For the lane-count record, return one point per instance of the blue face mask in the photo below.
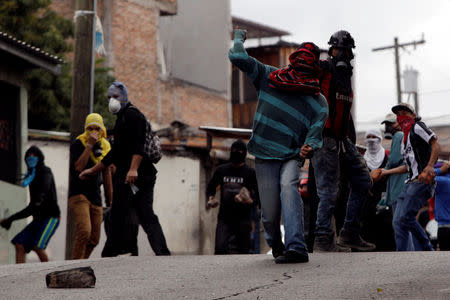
(32, 161)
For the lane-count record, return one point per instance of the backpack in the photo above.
(152, 145)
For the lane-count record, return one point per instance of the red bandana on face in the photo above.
(405, 123)
(302, 73)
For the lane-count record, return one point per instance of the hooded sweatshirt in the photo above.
(89, 187)
(43, 200)
(375, 153)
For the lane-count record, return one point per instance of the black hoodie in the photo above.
(43, 200)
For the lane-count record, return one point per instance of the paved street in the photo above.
(417, 275)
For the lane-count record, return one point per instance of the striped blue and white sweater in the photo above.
(284, 121)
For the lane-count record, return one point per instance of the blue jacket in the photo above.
(442, 198)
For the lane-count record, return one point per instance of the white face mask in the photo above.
(373, 145)
(114, 105)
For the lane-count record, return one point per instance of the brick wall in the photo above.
(134, 43)
(191, 105)
(134, 29)
(64, 7)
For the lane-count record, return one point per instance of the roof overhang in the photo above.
(167, 7)
(32, 56)
(257, 30)
(225, 132)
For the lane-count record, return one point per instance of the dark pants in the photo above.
(226, 230)
(311, 204)
(444, 238)
(328, 162)
(127, 207)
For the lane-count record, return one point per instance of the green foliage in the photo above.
(34, 22)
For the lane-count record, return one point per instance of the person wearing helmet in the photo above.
(287, 128)
(339, 153)
(43, 207)
(420, 150)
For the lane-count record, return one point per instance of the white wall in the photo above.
(177, 197)
(178, 203)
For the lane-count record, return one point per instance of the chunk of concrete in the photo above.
(83, 277)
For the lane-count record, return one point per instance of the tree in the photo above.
(34, 22)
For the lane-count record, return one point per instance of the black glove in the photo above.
(97, 149)
(6, 223)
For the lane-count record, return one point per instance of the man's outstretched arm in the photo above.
(247, 64)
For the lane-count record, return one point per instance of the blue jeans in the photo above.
(336, 157)
(413, 197)
(410, 246)
(279, 194)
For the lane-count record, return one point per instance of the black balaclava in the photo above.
(238, 152)
(389, 130)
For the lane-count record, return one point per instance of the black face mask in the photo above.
(389, 131)
(237, 157)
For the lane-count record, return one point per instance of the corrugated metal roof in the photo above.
(29, 48)
(32, 56)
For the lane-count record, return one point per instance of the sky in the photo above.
(372, 24)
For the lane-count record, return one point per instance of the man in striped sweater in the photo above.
(287, 128)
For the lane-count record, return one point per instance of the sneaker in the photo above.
(277, 251)
(328, 244)
(354, 240)
(292, 257)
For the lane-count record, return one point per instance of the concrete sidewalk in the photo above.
(418, 275)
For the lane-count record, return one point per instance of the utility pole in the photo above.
(396, 47)
(81, 86)
(397, 71)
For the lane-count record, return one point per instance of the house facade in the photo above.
(164, 53)
(16, 58)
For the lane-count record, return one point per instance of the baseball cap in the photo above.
(403, 106)
(390, 118)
